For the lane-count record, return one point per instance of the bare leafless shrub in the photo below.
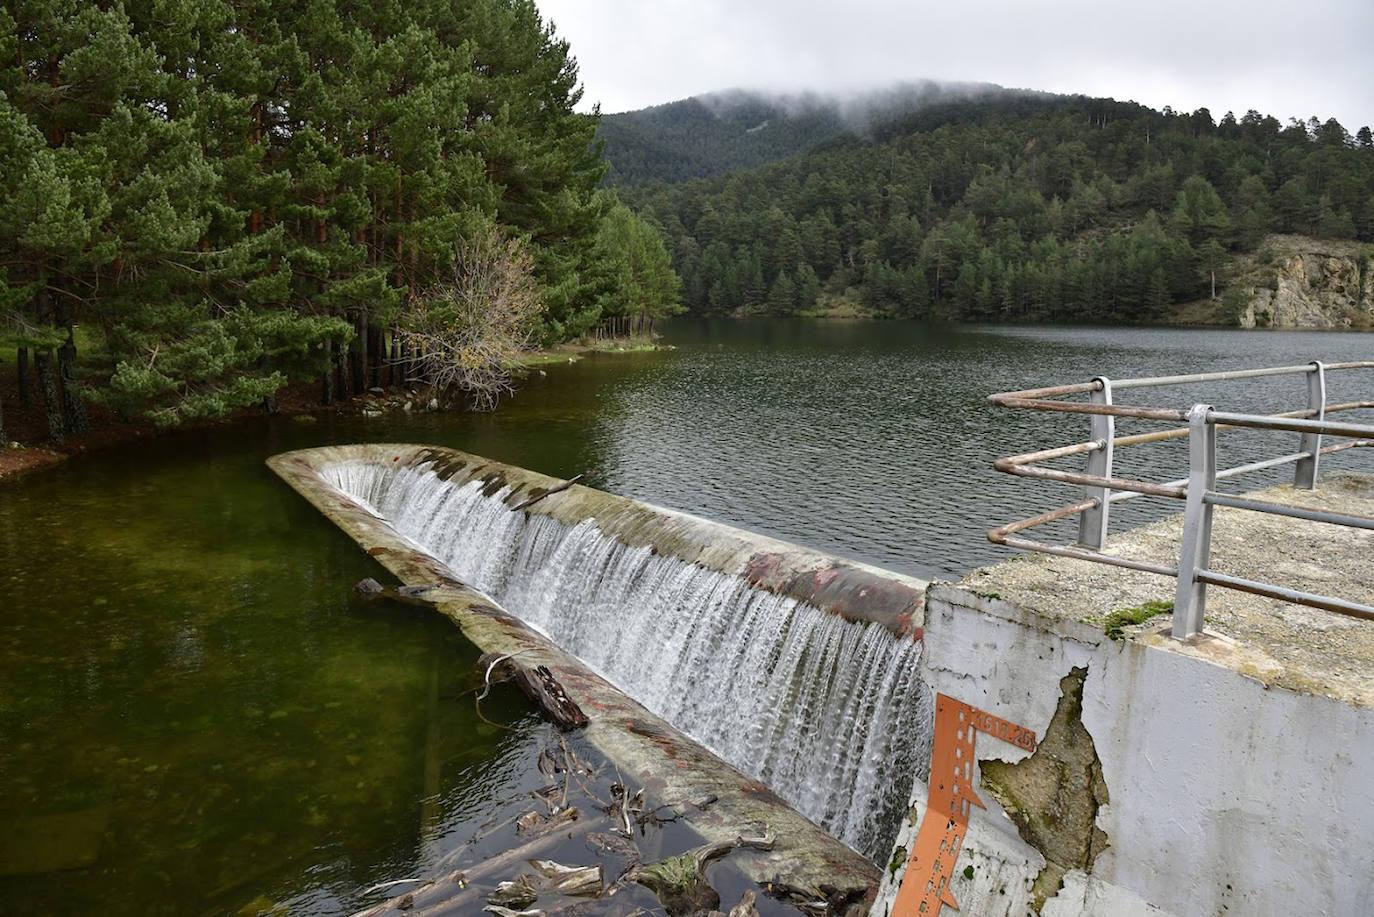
(463, 336)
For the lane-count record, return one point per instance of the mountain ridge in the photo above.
(733, 129)
(1004, 205)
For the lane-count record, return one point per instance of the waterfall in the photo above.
(830, 714)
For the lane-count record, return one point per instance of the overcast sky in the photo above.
(1285, 59)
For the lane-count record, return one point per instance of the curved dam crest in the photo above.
(796, 667)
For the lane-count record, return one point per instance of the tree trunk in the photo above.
(378, 351)
(360, 367)
(1214, 283)
(25, 397)
(393, 367)
(345, 377)
(541, 687)
(52, 406)
(3, 438)
(327, 377)
(76, 421)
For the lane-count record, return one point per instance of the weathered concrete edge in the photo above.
(671, 767)
(855, 591)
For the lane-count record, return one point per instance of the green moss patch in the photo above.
(1114, 625)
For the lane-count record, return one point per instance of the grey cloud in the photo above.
(1280, 58)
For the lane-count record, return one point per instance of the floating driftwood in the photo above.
(577, 881)
(552, 490)
(507, 912)
(524, 879)
(518, 894)
(539, 685)
(369, 590)
(680, 881)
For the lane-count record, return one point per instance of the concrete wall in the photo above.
(1225, 796)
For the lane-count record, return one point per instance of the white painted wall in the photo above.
(1227, 797)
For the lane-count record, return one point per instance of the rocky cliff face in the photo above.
(1313, 285)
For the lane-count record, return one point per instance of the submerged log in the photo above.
(518, 894)
(539, 685)
(577, 881)
(680, 882)
(746, 906)
(370, 590)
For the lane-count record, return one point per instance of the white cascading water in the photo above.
(828, 713)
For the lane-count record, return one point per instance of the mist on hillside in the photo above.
(740, 128)
(857, 109)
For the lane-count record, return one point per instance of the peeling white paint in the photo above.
(1227, 797)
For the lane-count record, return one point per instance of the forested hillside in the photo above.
(738, 129)
(216, 197)
(694, 138)
(1015, 207)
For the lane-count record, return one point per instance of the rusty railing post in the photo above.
(1305, 473)
(1190, 601)
(1092, 522)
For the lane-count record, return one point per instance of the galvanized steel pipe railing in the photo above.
(1198, 490)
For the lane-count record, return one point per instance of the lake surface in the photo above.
(196, 717)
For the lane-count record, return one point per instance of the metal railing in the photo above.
(1198, 489)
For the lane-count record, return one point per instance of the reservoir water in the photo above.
(196, 718)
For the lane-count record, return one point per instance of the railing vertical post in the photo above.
(1190, 602)
(1305, 474)
(1092, 523)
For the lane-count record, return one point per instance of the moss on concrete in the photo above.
(1114, 625)
(1053, 795)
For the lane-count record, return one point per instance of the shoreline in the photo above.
(27, 426)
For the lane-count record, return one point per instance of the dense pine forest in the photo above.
(200, 203)
(203, 201)
(1009, 206)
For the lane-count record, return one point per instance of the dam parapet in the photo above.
(1223, 773)
(1116, 768)
(1191, 702)
(855, 591)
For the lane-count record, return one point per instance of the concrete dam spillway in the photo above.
(797, 668)
(1159, 776)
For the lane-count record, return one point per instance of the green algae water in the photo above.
(196, 717)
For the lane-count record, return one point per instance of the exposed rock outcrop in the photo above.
(1311, 284)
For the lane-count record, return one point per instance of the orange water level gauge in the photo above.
(925, 885)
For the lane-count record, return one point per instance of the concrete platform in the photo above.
(1294, 646)
(1226, 774)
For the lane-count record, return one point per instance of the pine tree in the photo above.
(235, 195)
(639, 284)
(782, 296)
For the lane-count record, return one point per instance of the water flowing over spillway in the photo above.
(828, 713)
